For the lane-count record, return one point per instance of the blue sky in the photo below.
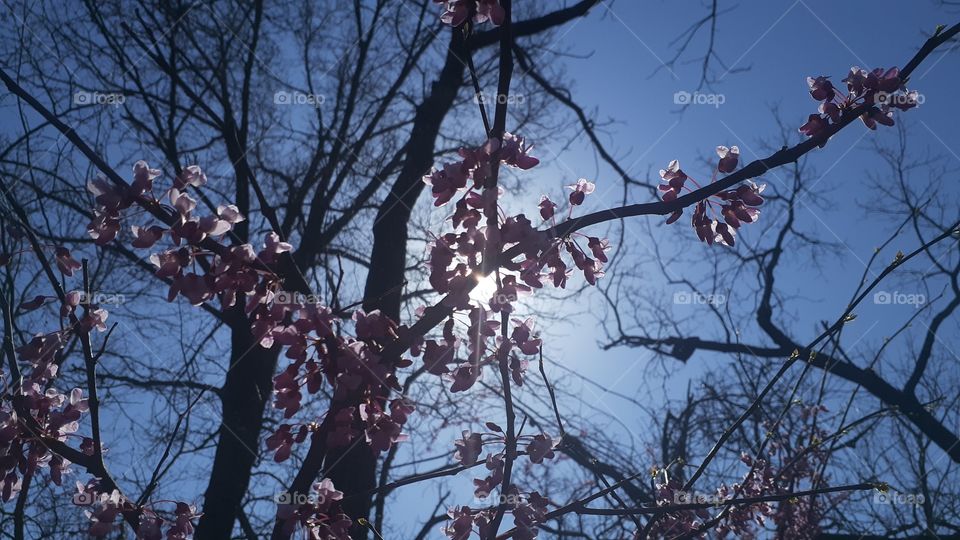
(780, 44)
(617, 71)
(770, 48)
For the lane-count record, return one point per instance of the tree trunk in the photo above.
(245, 393)
(353, 470)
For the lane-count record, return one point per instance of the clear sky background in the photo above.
(778, 44)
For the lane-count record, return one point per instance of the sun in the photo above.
(486, 286)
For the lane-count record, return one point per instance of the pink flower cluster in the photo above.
(879, 90)
(483, 346)
(475, 166)
(456, 12)
(232, 272)
(736, 206)
(36, 413)
(527, 509)
(741, 520)
(318, 514)
(456, 263)
(103, 508)
(456, 257)
(799, 457)
(352, 366)
(311, 333)
(52, 415)
(470, 446)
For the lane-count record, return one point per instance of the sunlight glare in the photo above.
(484, 289)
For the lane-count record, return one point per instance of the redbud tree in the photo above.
(349, 358)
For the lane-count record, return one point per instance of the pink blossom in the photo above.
(286, 389)
(461, 525)
(883, 81)
(281, 442)
(374, 325)
(856, 80)
(581, 189)
(674, 178)
(194, 287)
(540, 448)
(875, 116)
(401, 409)
(527, 514)
(464, 376)
(444, 185)
(456, 12)
(321, 518)
(65, 262)
(598, 247)
(95, 319)
(815, 126)
(145, 237)
(830, 110)
(591, 268)
(103, 227)
(507, 292)
(484, 487)
(230, 213)
(273, 247)
(875, 90)
(35, 303)
(149, 527)
(211, 226)
(547, 207)
(489, 10)
(469, 448)
(725, 233)
(190, 176)
(437, 355)
(821, 88)
(523, 338)
(466, 214)
(170, 262)
(906, 101)
(104, 514)
(728, 158)
(183, 203)
(143, 177)
(107, 195)
(515, 150)
(382, 430)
